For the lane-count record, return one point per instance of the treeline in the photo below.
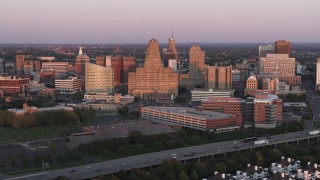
(293, 97)
(136, 143)
(37, 102)
(175, 170)
(45, 118)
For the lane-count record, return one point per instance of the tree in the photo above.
(26, 162)
(194, 175)
(13, 163)
(169, 176)
(157, 145)
(106, 153)
(220, 167)
(123, 111)
(201, 169)
(135, 136)
(61, 158)
(183, 176)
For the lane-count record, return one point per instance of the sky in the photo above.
(137, 21)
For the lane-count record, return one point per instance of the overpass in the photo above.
(206, 151)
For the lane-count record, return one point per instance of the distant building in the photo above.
(200, 94)
(129, 65)
(173, 64)
(60, 69)
(195, 76)
(32, 109)
(218, 77)
(318, 75)
(20, 57)
(264, 50)
(277, 64)
(31, 65)
(14, 86)
(68, 86)
(98, 78)
(100, 60)
(282, 47)
(2, 66)
(152, 78)
(80, 63)
(191, 118)
(170, 52)
(252, 83)
(117, 65)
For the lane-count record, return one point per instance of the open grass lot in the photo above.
(8, 134)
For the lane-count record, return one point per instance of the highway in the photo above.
(152, 159)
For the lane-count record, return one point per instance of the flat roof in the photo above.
(190, 112)
(294, 104)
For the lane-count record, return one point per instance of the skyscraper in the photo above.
(117, 65)
(153, 79)
(218, 77)
(282, 47)
(196, 60)
(195, 76)
(80, 63)
(98, 78)
(171, 52)
(318, 75)
(20, 57)
(129, 65)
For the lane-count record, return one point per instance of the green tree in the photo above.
(61, 158)
(183, 176)
(220, 167)
(169, 176)
(157, 145)
(194, 175)
(106, 153)
(13, 163)
(201, 169)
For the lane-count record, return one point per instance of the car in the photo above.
(218, 150)
(88, 167)
(234, 142)
(72, 171)
(97, 170)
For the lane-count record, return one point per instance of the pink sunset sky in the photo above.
(136, 21)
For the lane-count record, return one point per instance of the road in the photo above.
(313, 98)
(151, 159)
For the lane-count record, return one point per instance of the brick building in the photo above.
(13, 86)
(117, 65)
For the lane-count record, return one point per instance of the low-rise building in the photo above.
(68, 86)
(200, 94)
(32, 109)
(192, 118)
(14, 86)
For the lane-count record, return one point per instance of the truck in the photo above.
(314, 132)
(262, 141)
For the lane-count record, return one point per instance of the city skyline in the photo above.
(126, 22)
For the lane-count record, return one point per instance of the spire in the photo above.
(172, 31)
(80, 50)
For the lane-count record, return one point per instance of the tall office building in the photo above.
(31, 65)
(195, 76)
(264, 50)
(153, 78)
(267, 109)
(2, 65)
(100, 60)
(196, 60)
(218, 77)
(170, 52)
(282, 47)
(60, 69)
(108, 61)
(98, 79)
(14, 86)
(20, 57)
(117, 65)
(277, 64)
(80, 63)
(129, 65)
(318, 75)
(72, 85)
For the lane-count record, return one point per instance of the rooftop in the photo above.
(295, 104)
(190, 112)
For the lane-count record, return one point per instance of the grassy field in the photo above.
(8, 134)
